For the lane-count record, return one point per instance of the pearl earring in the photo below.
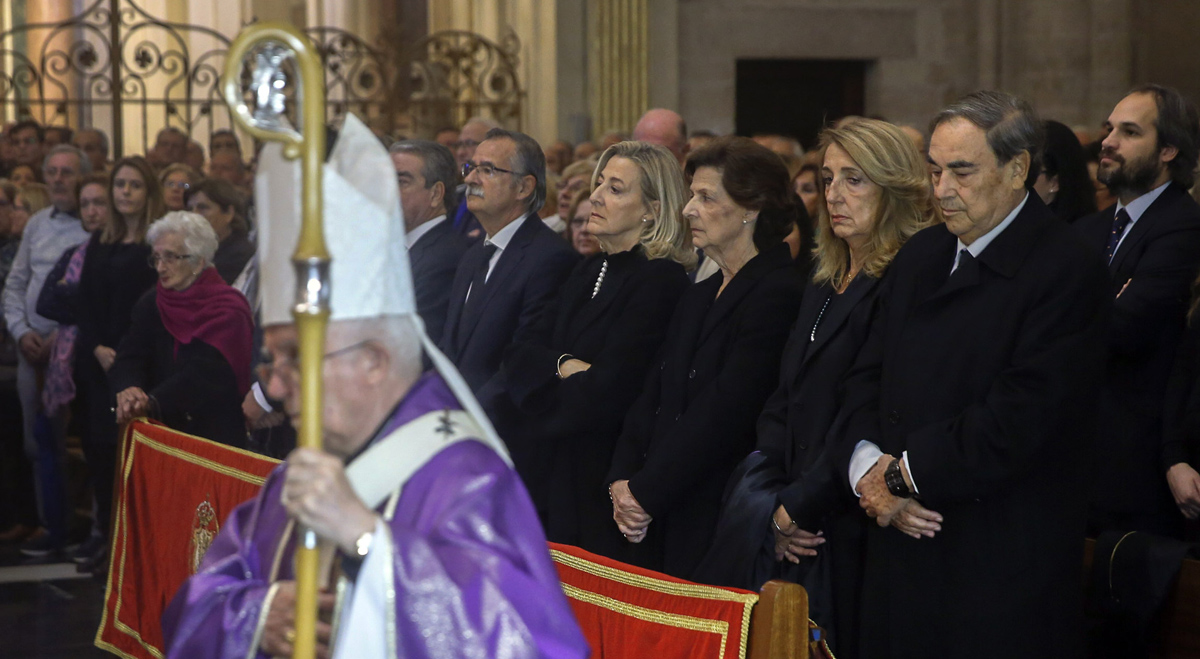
(645, 220)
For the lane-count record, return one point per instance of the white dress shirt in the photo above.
(866, 452)
(1136, 208)
(413, 236)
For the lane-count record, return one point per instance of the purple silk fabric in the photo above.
(473, 576)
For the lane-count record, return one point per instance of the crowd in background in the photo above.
(670, 330)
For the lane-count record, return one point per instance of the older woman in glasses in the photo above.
(186, 359)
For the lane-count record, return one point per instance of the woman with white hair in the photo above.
(187, 356)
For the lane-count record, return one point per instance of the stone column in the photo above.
(618, 63)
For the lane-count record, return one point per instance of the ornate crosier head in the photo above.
(267, 82)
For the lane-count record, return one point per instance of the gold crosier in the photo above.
(272, 44)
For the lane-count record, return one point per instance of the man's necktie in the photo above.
(964, 257)
(478, 281)
(1120, 221)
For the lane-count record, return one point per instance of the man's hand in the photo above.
(875, 499)
(631, 518)
(917, 521)
(31, 345)
(317, 493)
(793, 542)
(573, 366)
(48, 347)
(1185, 487)
(279, 631)
(106, 356)
(132, 403)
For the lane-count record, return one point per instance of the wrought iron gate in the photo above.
(117, 68)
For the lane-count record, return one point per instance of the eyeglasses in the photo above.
(167, 257)
(470, 144)
(177, 185)
(288, 366)
(487, 169)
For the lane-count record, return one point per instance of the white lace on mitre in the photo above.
(370, 275)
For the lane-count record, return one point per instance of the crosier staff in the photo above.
(275, 43)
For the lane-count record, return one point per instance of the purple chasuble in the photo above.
(473, 576)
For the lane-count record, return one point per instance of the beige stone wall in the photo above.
(1069, 57)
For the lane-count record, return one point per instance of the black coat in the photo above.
(575, 422)
(193, 384)
(988, 379)
(1159, 258)
(1181, 420)
(527, 275)
(434, 259)
(694, 420)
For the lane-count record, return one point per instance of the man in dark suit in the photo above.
(972, 397)
(427, 176)
(1151, 241)
(504, 281)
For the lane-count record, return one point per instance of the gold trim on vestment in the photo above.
(677, 620)
(261, 625)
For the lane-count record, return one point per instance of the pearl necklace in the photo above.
(600, 279)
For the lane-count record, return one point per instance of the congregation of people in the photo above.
(910, 370)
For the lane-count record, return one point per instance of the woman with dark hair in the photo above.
(1063, 182)
(603, 329)
(223, 206)
(695, 417)
(788, 515)
(114, 275)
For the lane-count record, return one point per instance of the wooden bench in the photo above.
(1178, 623)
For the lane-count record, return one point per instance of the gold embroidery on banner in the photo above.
(122, 522)
(204, 531)
(650, 583)
(676, 620)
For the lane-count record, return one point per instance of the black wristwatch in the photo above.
(895, 481)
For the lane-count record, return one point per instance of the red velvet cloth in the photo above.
(627, 612)
(217, 314)
(168, 484)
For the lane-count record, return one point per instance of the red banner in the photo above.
(172, 495)
(628, 612)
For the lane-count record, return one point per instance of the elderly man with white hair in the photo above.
(434, 546)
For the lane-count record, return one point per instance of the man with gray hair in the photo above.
(967, 416)
(50, 232)
(427, 177)
(504, 281)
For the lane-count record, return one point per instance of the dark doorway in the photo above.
(797, 97)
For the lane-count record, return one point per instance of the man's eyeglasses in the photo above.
(167, 257)
(288, 366)
(487, 169)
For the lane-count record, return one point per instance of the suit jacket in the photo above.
(195, 387)
(1159, 259)
(435, 258)
(988, 379)
(695, 417)
(527, 275)
(575, 422)
(1181, 420)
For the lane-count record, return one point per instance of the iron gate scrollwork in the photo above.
(120, 69)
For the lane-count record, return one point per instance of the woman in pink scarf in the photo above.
(187, 357)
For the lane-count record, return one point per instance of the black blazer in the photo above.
(1159, 258)
(194, 385)
(795, 422)
(1181, 420)
(434, 259)
(988, 378)
(575, 421)
(695, 417)
(526, 277)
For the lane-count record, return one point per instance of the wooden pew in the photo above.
(779, 623)
(1178, 623)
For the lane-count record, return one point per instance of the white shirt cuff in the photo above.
(866, 453)
(908, 467)
(260, 398)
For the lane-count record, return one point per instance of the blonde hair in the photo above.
(669, 235)
(890, 160)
